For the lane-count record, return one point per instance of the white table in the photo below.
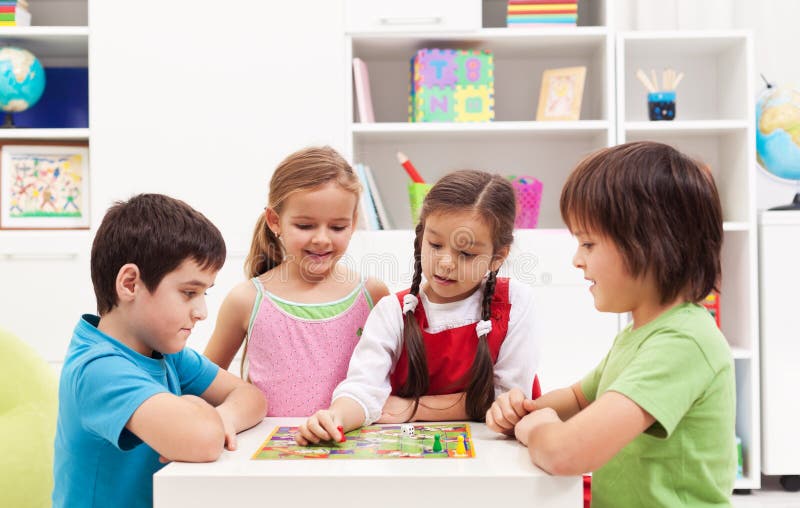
(500, 474)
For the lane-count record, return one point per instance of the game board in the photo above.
(372, 442)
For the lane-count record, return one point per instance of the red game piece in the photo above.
(341, 429)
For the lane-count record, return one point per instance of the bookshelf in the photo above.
(513, 144)
(714, 122)
(47, 266)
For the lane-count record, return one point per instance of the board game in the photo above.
(419, 441)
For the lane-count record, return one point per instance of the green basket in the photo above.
(416, 195)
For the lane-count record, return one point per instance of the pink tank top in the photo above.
(298, 361)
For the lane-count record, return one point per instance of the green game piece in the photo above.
(437, 443)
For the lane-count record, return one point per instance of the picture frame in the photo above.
(44, 186)
(561, 94)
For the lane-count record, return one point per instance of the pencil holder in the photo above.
(529, 196)
(661, 105)
(416, 195)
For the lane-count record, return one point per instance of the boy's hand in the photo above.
(397, 410)
(321, 426)
(229, 427)
(507, 410)
(535, 419)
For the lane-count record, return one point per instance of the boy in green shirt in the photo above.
(655, 419)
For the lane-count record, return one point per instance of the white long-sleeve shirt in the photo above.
(377, 353)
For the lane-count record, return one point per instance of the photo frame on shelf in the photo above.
(561, 94)
(44, 186)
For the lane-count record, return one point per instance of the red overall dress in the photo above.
(450, 353)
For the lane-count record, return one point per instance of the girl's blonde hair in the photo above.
(305, 170)
(490, 197)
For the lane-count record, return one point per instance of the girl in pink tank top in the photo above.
(301, 313)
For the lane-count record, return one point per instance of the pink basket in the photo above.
(529, 197)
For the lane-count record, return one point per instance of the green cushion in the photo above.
(28, 410)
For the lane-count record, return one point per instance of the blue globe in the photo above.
(778, 132)
(21, 79)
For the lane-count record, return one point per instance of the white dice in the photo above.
(407, 430)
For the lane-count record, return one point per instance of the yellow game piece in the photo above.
(460, 449)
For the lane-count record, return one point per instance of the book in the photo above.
(383, 216)
(370, 214)
(363, 95)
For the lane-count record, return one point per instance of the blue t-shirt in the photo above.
(98, 462)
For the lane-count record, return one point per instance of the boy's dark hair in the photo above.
(490, 197)
(156, 233)
(661, 209)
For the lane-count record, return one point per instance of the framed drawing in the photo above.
(44, 187)
(561, 94)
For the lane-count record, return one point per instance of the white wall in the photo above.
(201, 103)
(201, 100)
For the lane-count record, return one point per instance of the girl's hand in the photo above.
(321, 426)
(397, 410)
(507, 410)
(534, 420)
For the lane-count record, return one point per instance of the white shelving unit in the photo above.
(512, 144)
(47, 266)
(714, 122)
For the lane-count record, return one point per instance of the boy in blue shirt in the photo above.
(131, 396)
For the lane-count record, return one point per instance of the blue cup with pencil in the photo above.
(660, 100)
(417, 188)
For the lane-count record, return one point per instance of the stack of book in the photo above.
(14, 13)
(372, 214)
(542, 13)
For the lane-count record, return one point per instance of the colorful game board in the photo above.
(374, 442)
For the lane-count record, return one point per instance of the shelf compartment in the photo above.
(727, 152)
(519, 154)
(61, 46)
(747, 422)
(716, 78)
(60, 12)
(520, 57)
(590, 13)
(737, 302)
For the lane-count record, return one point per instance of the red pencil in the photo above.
(410, 169)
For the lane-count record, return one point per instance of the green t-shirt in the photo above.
(679, 369)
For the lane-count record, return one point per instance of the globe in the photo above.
(21, 81)
(778, 135)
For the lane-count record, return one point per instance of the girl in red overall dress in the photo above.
(442, 350)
